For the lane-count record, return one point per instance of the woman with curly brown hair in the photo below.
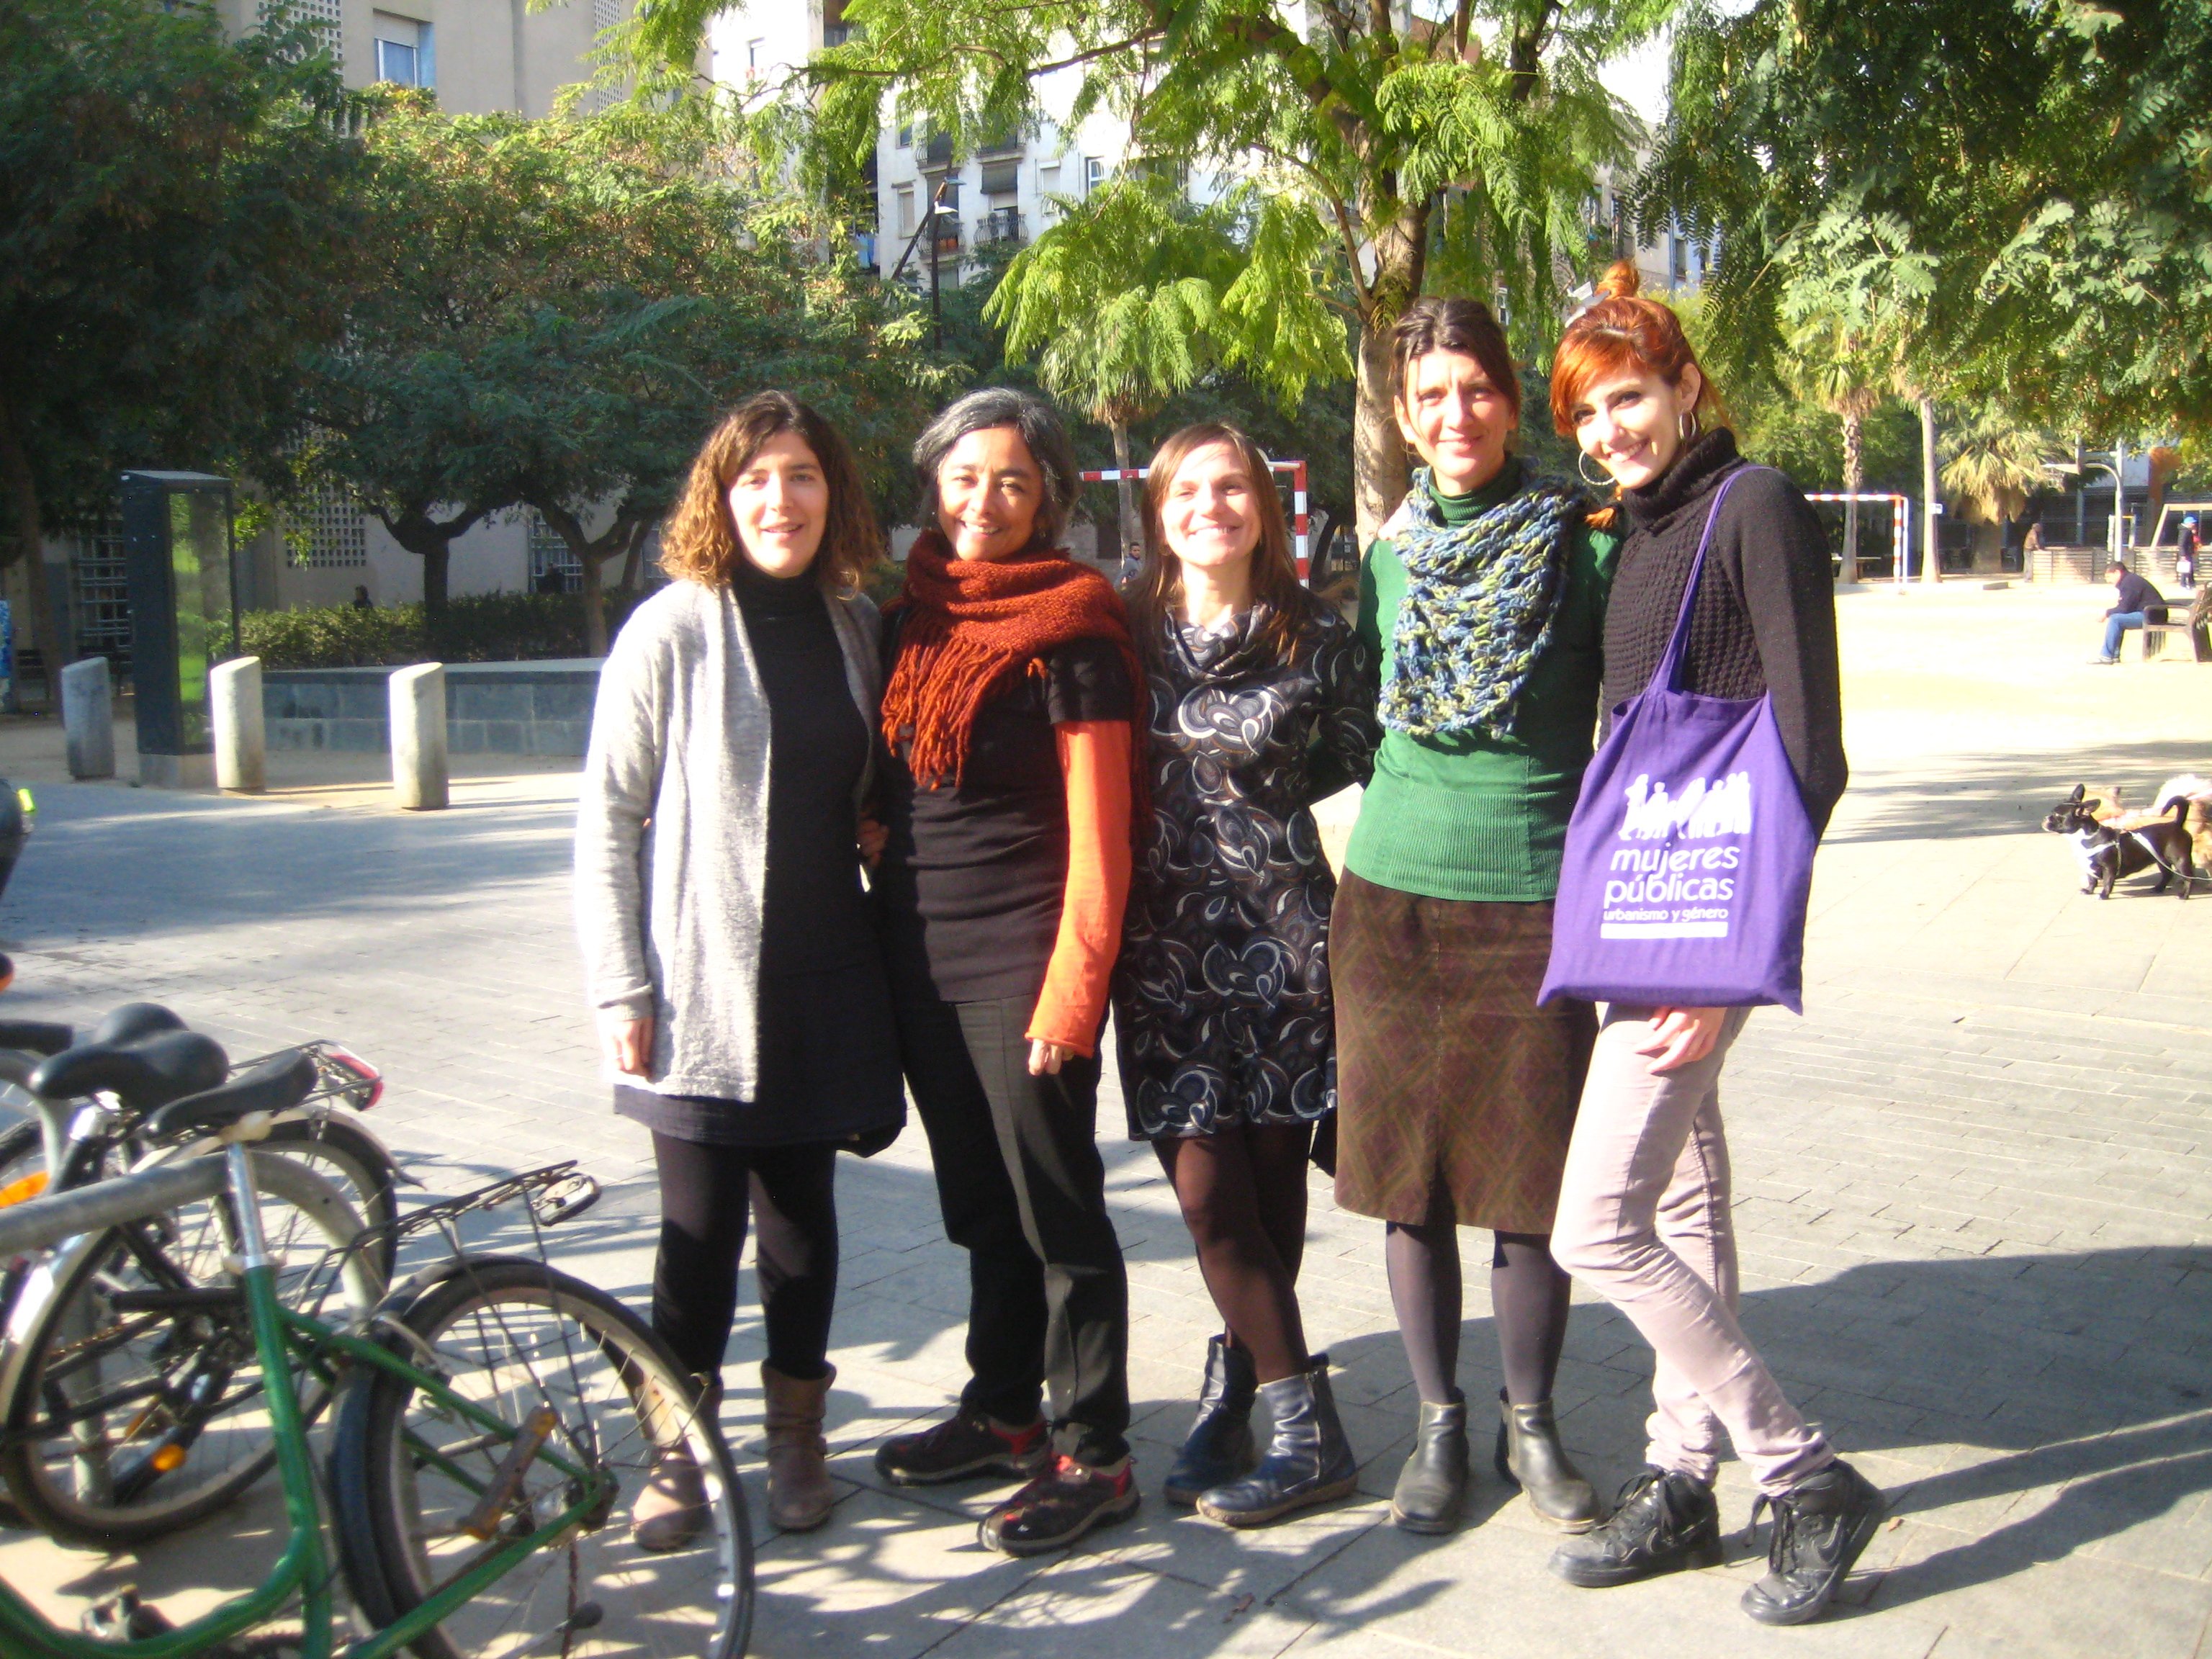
(732, 956)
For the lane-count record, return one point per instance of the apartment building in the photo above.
(477, 56)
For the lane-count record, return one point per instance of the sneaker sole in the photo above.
(1696, 1558)
(1005, 1467)
(1105, 1516)
(1772, 1612)
(1306, 1500)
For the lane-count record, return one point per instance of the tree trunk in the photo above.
(22, 485)
(437, 569)
(1379, 467)
(1854, 482)
(1931, 555)
(1125, 493)
(595, 607)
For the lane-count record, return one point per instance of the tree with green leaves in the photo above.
(1457, 154)
(560, 309)
(174, 228)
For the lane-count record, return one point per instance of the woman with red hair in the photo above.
(1644, 1205)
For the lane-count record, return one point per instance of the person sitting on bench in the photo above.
(2140, 606)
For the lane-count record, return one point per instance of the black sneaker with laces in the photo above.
(1059, 1506)
(966, 1443)
(1820, 1526)
(1661, 1521)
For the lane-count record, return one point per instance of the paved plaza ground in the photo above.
(1973, 1188)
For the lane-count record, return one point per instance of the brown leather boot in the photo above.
(671, 1509)
(799, 1490)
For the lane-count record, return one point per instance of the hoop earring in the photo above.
(1686, 425)
(1604, 483)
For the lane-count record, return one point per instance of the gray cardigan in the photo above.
(671, 829)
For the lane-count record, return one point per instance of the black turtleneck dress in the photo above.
(828, 1061)
(1764, 618)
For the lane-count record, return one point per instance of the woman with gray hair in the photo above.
(1011, 691)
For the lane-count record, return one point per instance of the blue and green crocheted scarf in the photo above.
(1480, 602)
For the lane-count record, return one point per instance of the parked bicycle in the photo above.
(498, 1416)
(118, 1424)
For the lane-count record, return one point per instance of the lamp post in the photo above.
(2074, 469)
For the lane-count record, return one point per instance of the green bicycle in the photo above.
(496, 1419)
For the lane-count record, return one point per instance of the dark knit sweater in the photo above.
(1764, 618)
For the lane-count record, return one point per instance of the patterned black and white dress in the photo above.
(1221, 998)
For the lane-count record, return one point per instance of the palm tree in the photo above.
(1996, 465)
(1121, 302)
(1829, 361)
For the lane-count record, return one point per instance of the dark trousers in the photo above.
(705, 1193)
(1024, 1192)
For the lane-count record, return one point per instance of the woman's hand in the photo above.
(1047, 1058)
(873, 839)
(627, 1043)
(1681, 1037)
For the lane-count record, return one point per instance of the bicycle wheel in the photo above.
(349, 1159)
(512, 1336)
(123, 1423)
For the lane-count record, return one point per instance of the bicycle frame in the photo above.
(305, 1568)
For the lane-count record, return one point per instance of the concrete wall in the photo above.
(491, 708)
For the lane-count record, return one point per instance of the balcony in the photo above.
(948, 236)
(1001, 228)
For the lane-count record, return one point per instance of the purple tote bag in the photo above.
(1689, 858)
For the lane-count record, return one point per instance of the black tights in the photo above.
(1528, 1294)
(1243, 1194)
(705, 1191)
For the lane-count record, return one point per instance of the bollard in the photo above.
(241, 735)
(89, 718)
(418, 738)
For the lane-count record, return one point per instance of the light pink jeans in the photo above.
(1643, 1218)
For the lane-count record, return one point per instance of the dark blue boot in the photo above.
(1218, 1447)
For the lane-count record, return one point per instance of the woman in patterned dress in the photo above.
(1263, 701)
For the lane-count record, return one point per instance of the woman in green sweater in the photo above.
(1485, 596)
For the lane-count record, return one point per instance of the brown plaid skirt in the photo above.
(1452, 1085)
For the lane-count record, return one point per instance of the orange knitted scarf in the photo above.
(971, 627)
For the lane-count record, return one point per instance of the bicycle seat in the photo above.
(35, 1035)
(277, 1086)
(151, 1072)
(134, 1020)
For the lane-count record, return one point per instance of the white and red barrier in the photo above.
(1301, 526)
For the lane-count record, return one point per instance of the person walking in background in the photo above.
(737, 972)
(1484, 598)
(2184, 554)
(1643, 1209)
(1008, 711)
(1263, 701)
(2138, 605)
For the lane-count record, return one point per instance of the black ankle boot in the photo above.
(1432, 1487)
(1218, 1447)
(1308, 1461)
(1530, 1456)
(1820, 1525)
(1662, 1521)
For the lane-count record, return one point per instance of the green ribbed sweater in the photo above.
(1485, 817)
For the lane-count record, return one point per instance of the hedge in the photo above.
(476, 628)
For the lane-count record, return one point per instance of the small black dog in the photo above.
(2108, 853)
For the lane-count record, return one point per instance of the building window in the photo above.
(554, 566)
(101, 579)
(1048, 187)
(328, 531)
(906, 137)
(904, 193)
(1094, 173)
(403, 51)
(755, 51)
